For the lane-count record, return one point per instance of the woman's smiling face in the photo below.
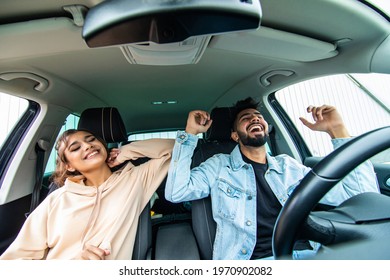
(84, 152)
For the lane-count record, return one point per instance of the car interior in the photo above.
(129, 67)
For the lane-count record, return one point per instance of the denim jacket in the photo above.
(231, 183)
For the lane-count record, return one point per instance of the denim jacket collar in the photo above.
(273, 164)
(237, 162)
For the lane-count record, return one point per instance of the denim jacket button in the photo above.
(243, 251)
(248, 223)
(181, 137)
(250, 197)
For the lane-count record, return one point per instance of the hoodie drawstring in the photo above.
(94, 214)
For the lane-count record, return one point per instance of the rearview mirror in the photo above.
(121, 22)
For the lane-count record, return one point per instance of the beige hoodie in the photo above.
(105, 216)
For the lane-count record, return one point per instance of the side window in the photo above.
(12, 109)
(169, 135)
(361, 100)
(70, 123)
(151, 135)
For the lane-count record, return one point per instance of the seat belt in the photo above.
(271, 133)
(40, 148)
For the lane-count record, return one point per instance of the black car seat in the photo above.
(217, 140)
(176, 240)
(107, 123)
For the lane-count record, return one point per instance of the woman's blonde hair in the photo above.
(61, 172)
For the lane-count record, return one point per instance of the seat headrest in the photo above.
(105, 122)
(220, 129)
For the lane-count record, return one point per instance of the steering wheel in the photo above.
(323, 176)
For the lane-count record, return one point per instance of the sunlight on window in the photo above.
(11, 110)
(362, 107)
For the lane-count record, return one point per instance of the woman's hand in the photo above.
(91, 252)
(112, 158)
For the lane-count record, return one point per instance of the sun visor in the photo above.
(40, 37)
(135, 21)
(274, 43)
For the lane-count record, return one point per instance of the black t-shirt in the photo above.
(268, 208)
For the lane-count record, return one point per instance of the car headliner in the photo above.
(309, 38)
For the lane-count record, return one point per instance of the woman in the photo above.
(95, 214)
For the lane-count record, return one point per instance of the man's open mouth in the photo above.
(255, 128)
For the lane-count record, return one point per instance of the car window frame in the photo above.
(12, 142)
(297, 139)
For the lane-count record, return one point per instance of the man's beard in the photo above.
(256, 141)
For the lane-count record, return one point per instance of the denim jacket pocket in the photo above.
(228, 199)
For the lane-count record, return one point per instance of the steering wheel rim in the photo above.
(323, 176)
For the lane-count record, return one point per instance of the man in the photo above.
(249, 187)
